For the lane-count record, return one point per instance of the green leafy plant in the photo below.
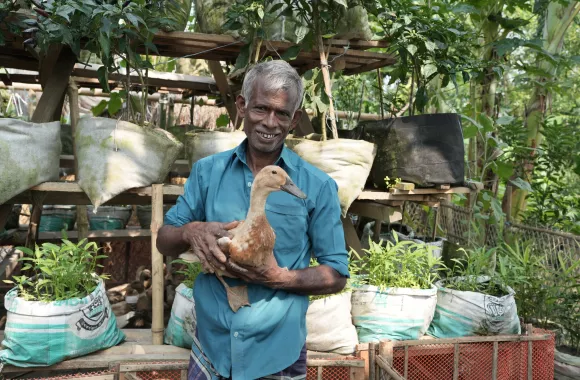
(391, 182)
(398, 264)
(60, 272)
(116, 32)
(190, 271)
(466, 274)
(347, 287)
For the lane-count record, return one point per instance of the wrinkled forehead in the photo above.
(265, 90)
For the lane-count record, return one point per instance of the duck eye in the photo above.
(274, 172)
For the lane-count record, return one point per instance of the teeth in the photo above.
(266, 136)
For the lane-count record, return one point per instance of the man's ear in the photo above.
(296, 119)
(241, 106)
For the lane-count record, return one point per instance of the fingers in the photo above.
(230, 225)
(202, 260)
(216, 253)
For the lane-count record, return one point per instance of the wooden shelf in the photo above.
(70, 193)
(87, 76)
(214, 47)
(412, 195)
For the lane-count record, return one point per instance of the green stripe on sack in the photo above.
(33, 326)
(372, 332)
(386, 319)
(453, 313)
(447, 324)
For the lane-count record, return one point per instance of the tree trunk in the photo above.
(558, 17)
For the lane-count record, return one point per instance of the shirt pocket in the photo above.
(290, 224)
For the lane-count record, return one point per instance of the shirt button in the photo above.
(236, 334)
(249, 184)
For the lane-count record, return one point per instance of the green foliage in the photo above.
(398, 264)
(60, 272)
(190, 271)
(6, 25)
(347, 287)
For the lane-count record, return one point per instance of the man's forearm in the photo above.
(319, 280)
(170, 241)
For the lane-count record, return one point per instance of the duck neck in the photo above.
(257, 202)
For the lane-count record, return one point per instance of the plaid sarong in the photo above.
(201, 369)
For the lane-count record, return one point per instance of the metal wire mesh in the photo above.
(160, 375)
(77, 375)
(328, 373)
(475, 361)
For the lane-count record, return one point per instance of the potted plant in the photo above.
(182, 323)
(393, 294)
(61, 311)
(114, 155)
(474, 299)
(329, 322)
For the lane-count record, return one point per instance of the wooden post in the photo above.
(386, 352)
(157, 264)
(456, 361)
(406, 363)
(372, 360)
(436, 223)
(529, 331)
(37, 202)
(494, 361)
(351, 237)
(4, 215)
(73, 99)
(325, 71)
(55, 73)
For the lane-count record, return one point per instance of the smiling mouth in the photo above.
(266, 136)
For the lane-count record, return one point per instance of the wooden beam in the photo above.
(54, 73)
(228, 96)
(109, 235)
(351, 237)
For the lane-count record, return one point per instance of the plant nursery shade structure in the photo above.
(54, 72)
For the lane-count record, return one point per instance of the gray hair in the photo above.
(275, 75)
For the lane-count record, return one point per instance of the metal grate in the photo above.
(100, 375)
(472, 360)
(160, 375)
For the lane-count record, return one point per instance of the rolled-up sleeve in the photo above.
(326, 232)
(189, 206)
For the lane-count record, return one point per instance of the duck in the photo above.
(252, 241)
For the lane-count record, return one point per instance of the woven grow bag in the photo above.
(115, 156)
(30, 155)
(346, 161)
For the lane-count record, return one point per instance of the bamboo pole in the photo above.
(456, 361)
(324, 69)
(494, 361)
(372, 360)
(157, 264)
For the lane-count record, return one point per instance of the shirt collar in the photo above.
(285, 157)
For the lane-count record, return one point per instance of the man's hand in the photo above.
(269, 274)
(202, 237)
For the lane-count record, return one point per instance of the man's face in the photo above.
(268, 117)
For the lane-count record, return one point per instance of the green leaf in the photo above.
(503, 169)
(292, 53)
(342, 2)
(115, 103)
(103, 75)
(135, 20)
(223, 120)
(430, 45)
(505, 120)
(521, 184)
(261, 13)
(105, 44)
(65, 11)
(99, 108)
(243, 58)
(428, 70)
(469, 131)
(412, 49)
(486, 122)
(496, 207)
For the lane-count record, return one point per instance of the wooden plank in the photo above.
(443, 187)
(430, 191)
(57, 76)
(335, 363)
(478, 339)
(32, 235)
(388, 369)
(157, 325)
(73, 187)
(142, 367)
(109, 235)
(406, 363)
(404, 186)
(456, 362)
(369, 195)
(390, 60)
(304, 126)
(351, 237)
(375, 210)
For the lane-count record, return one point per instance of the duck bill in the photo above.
(291, 188)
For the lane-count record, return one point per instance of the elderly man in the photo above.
(266, 339)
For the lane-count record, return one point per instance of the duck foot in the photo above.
(237, 295)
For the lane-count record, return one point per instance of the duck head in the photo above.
(274, 178)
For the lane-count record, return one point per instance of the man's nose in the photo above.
(271, 121)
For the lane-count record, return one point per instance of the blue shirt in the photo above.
(268, 336)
